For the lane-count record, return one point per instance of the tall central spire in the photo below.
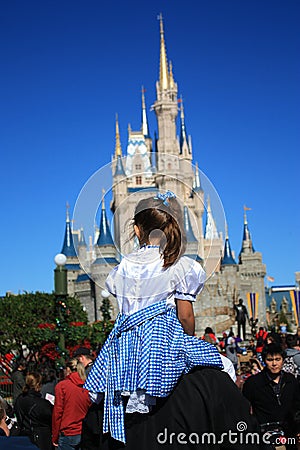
(118, 150)
(163, 66)
(145, 127)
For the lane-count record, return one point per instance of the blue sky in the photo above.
(67, 67)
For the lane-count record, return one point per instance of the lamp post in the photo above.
(105, 305)
(61, 292)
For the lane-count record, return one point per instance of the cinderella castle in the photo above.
(159, 163)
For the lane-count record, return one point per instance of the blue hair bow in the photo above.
(165, 197)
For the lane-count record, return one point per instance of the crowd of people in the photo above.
(154, 383)
(57, 412)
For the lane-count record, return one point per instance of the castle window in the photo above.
(138, 167)
(138, 180)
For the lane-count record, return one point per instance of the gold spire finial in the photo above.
(118, 150)
(163, 66)
(245, 215)
(129, 130)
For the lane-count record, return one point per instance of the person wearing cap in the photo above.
(83, 355)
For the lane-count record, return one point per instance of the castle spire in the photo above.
(183, 140)
(211, 231)
(118, 150)
(68, 247)
(163, 66)
(247, 246)
(145, 126)
(190, 237)
(104, 238)
(197, 182)
(227, 259)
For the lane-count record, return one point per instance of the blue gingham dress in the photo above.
(147, 351)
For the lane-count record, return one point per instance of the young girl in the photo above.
(152, 343)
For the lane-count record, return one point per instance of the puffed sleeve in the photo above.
(110, 284)
(190, 278)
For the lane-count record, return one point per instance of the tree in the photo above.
(31, 319)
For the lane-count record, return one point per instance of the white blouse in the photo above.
(140, 280)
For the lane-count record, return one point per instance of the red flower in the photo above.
(47, 325)
(77, 324)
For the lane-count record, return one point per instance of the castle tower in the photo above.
(252, 272)
(105, 260)
(68, 249)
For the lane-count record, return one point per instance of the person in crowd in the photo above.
(18, 378)
(84, 356)
(297, 335)
(4, 430)
(255, 366)
(34, 413)
(274, 395)
(261, 337)
(230, 350)
(292, 361)
(228, 367)
(49, 382)
(209, 336)
(252, 347)
(241, 316)
(223, 342)
(71, 405)
(155, 288)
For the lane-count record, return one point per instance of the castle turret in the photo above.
(105, 260)
(68, 249)
(227, 259)
(105, 243)
(252, 272)
(247, 246)
(184, 141)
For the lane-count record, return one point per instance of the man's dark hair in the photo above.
(272, 349)
(291, 340)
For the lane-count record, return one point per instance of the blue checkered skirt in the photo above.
(147, 351)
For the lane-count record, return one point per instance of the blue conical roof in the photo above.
(227, 259)
(68, 248)
(119, 167)
(190, 237)
(105, 237)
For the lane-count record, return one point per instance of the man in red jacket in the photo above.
(71, 405)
